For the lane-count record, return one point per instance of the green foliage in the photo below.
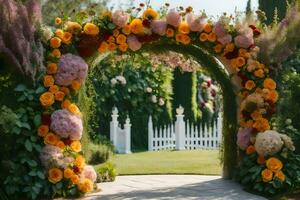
(98, 153)
(269, 8)
(106, 172)
(131, 98)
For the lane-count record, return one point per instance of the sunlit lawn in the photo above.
(169, 162)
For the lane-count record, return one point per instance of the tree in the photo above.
(269, 8)
(248, 8)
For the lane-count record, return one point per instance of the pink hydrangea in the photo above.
(245, 38)
(225, 39)
(133, 43)
(196, 23)
(90, 173)
(222, 34)
(159, 27)
(120, 18)
(50, 154)
(173, 18)
(70, 67)
(243, 137)
(66, 125)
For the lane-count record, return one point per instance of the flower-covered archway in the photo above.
(249, 100)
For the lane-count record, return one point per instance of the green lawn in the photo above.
(169, 162)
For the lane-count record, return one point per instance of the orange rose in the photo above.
(250, 150)
(280, 175)
(79, 162)
(203, 37)
(67, 37)
(123, 47)
(244, 53)
(68, 173)
(259, 73)
(56, 53)
(150, 14)
(179, 37)
(59, 96)
(126, 29)
(256, 115)
(47, 99)
(55, 42)
(261, 160)
(53, 89)
(136, 26)
(233, 63)
(51, 68)
(91, 29)
(261, 124)
(250, 85)
(60, 144)
(74, 109)
(103, 47)
(58, 21)
(184, 28)
(212, 37)
(76, 146)
(112, 46)
(43, 130)
(111, 39)
(269, 84)
(65, 104)
(65, 90)
(170, 32)
(116, 32)
(274, 164)
(229, 47)
(75, 179)
(51, 139)
(86, 185)
(241, 61)
(76, 85)
(73, 27)
(208, 28)
(59, 33)
(273, 96)
(121, 39)
(267, 175)
(48, 80)
(55, 175)
(218, 48)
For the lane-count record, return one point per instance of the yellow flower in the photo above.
(280, 175)
(150, 14)
(76, 146)
(269, 84)
(55, 175)
(170, 32)
(58, 21)
(121, 39)
(73, 109)
(55, 42)
(53, 89)
(56, 53)
(212, 37)
(136, 26)
(67, 37)
(48, 80)
(51, 139)
(47, 99)
(126, 29)
(250, 150)
(65, 104)
(250, 85)
(75, 179)
(208, 28)
(184, 28)
(86, 185)
(51, 68)
(68, 173)
(59, 96)
(73, 27)
(267, 175)
(76, 85)
(103, 47)
(203, 37)
(123, 47)
(274, 164)
(43, 130)
(91, 29)
(79, 162)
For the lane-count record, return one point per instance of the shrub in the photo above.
(106, 172)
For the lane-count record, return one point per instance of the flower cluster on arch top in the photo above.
(231, 41)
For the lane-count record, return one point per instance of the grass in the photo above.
(169, 162)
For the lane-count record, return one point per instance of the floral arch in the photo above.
(249, 100)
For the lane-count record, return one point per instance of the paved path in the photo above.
(167, 187)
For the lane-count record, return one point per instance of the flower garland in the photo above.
(233, 43)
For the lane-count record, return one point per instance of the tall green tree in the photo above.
(248, 8)
(269, 7)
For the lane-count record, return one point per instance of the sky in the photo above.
(211, 7)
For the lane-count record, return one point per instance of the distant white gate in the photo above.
(184, 135)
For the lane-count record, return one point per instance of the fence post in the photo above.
(180, 129)
(150, 134)
(127, 129)
(220, 128)
(114, 126)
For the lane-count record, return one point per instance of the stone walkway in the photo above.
(167, 187)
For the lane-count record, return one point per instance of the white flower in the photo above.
(148, 89)
(288, 143)
(154, 99)
(47, 34)
(268, 143)
(121, 79)
(161, 102)
(113, 81)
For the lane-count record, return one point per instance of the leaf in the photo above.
(32, 163)
(28, 145)
(37, 120)
(21, 98)
(32, 173)
(40, 175)
(26, 125)
(40, 90)
(20, 88)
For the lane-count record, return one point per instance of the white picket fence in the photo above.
(184, 135)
